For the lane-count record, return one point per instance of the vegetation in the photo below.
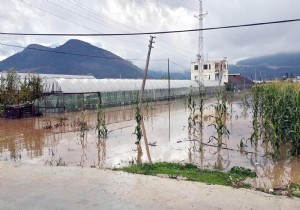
(295, 190)
(15, 90)
(192, 173)
(276, 108)
(220, 117)
(242, 171)
(138, 118)
(201, 104)
(101, 124)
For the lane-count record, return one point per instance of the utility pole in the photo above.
(200, 17)
(141, 98)
(169, 79)
(146, 70)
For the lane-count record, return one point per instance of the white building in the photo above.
(206, 71)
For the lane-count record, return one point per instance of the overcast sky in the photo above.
(119, 16)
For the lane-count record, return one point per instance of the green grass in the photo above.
(192, 173)
(295, 189)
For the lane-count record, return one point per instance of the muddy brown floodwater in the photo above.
(61, 140)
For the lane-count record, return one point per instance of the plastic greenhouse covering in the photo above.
(87, 85)
(64, 93)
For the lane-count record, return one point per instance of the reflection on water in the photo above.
(72, 139)
(101, 146)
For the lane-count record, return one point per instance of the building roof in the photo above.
(239, 80)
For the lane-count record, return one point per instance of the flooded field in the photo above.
(60, 140)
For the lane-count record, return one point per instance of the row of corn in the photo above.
(276, 116)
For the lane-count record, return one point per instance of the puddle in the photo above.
(59, 140)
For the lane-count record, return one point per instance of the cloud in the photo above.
(119, 16)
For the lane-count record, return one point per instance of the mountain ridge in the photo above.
(73, 57)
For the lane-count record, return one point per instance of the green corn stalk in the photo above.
(138, 118)
(278, 105)
(101, 124)
(221, 113)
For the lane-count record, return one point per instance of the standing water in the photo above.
(71, 139)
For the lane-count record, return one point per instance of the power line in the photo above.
(113, 21)
(76, 54)
(91, 56)
(61, 17)
(58, 16)
(179, 65)
(94, 20)
(155, 32)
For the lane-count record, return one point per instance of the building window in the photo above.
(196, 77)
(196, 67)
(205, 66)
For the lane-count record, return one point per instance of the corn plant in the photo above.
(191, 104)
(101, 125)
(138, 118)
(138, 130)
(278, 104)
(102, 133)
(255, 118)
(201, 104)
(220, 118)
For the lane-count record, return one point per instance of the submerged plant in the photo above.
(220, 118)
(83, 126)
(138, 118)
(201, 104)
(102, 133)
(101, 124)
(255, 121)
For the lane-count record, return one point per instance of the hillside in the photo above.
(283, 59)
(98, 62)
(268, 67)
(186, 75)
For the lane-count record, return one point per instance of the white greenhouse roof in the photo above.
(87, 85)
(69, 84)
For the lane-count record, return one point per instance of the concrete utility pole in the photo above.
(200, 17)
(141, 98)
(146, 70)
(168, 79)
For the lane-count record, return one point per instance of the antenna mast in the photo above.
(200, 17)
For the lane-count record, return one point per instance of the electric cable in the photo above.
(154, 32)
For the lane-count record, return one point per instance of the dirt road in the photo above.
(42, 187)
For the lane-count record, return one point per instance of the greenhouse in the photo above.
(67, 93)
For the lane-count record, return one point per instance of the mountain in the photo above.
(277, 60)
(268, 67)
(96, 61)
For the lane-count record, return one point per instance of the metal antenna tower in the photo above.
(200, 17)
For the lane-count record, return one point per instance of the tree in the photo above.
(14, 90)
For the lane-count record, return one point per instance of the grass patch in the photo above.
(192, 173)
(295, 189)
